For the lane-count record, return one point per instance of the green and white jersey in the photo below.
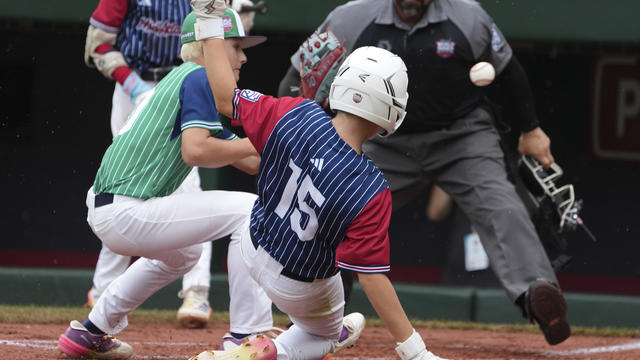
(145, 158)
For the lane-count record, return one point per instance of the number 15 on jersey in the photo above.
(303, 217)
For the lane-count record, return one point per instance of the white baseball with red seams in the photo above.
(482, 74)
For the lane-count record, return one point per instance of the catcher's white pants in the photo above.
(167, 233)
(110, 265)
(315, 308)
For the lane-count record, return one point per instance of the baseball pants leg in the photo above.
(167, 235)
(316, 308)
(481, 188)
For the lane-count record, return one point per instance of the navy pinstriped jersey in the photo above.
(311, 185)
(148, 30)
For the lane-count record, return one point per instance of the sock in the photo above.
(239, 336)
(92, 328)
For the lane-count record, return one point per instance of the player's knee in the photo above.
(183, 260)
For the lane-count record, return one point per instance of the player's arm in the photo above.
(365, 250)
(209, 28)
(100, 51)
(199, 148)
(385, 301)
(249, 165)
(205, 141)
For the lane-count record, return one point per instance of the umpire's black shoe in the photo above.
(545, 305)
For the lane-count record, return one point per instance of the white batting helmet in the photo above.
(372, 83)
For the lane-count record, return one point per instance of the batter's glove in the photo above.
(320, 57)
(209, 14)
(414, 348)
(134, 86)
(105, 62)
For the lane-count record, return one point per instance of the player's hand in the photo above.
(208, 9)
(537, 144)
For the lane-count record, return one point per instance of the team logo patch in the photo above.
(357, 98)
(227, 23)
(445, 48)
(496, 39)
(250, 95)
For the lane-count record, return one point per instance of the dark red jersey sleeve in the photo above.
(258, 114)
(110, 13)
(365, 247)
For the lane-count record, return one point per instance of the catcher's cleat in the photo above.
(545, 305)
(92, 297)
(256, 347)
(230, 342)
(195, 310)
(352, 326)
(78, 342)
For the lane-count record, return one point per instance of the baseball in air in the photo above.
(482, 74)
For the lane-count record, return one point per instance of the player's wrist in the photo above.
(134, 86)
(210, 28)
(412, 347)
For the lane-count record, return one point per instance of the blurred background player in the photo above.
(449, 137)
(136, 43)
(134, 209)
(322, 205)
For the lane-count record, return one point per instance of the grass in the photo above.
(61, 315)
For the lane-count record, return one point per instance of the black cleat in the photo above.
(545, 305)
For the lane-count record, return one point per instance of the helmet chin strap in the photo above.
(410, 12)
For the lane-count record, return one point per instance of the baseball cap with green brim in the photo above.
(232, 25)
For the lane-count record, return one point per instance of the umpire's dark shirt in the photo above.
(439, 51)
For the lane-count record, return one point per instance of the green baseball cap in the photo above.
(232, 25)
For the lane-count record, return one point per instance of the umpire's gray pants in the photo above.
(467, 162)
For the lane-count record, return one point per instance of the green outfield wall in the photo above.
(56, 287)
(566, 20)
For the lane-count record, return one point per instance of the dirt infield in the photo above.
(161, 341)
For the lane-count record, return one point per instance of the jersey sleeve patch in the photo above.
(250, 95)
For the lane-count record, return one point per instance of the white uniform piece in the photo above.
(131, 226)
(296, 298)
(110, 265)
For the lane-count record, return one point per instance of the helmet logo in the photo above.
(357, 98)
(364, 77)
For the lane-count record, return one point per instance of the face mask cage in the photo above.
(540, 183)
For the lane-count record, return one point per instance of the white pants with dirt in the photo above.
(110, 265)
(167, 233)
(316, 308)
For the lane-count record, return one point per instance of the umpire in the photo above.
(449, 136)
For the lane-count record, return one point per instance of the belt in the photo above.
(284, 271)
(156, 74)
(102, 199)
